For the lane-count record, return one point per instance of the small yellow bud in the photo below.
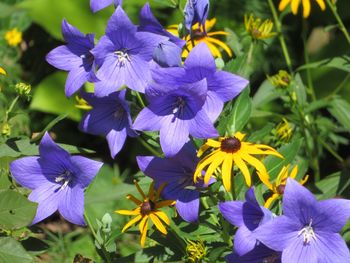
(13, 37)
(23, 89)
(82, 104)
(196, 251)
(257, 28)
(280, 80)
(5, 129)
(284, 130)
(3, 71)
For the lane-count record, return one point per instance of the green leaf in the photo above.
(327, 187)
(289, 151)
(6, 10)
(49, 97)
(15, 210)
(240, 114)
(340, 110)
(342, 63)
(12, 251)
(16, 148)
(298, 87)
(266, 93)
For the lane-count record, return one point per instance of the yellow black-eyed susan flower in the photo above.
(229, 151)
(279, 185)
(199, 35)
(306, 6)
(147, 208)
(257, 28)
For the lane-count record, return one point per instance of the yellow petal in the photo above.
(243, 168)
(151, 190)
(212, 167)
(256, 149)
(159, 225)
(306, 8)
(303, 181)
(218, 33)
(162, 216)
(134, 199)
(131, 222)
(205, 162)
(139, 189)
(3, 71)
(259, 166)
(294, 172)
(144, 234)
(164, 203)
(227, 171)
(143, 222)
(283, 4)
(240, 136)
(221, 44)
(159, 190)
(321, 4)
(295, 5)
(269, 185)
(129, 212)
(214, 50)
(270, 200)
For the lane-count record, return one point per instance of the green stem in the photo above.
(340, 86)
(139, 98)
(13, 103)
(148, 147)
(280, 36)
(333, 8)
(331, 151)
(104, 251)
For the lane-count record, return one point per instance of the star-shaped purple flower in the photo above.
(123, 55)
(110, 117)
(247, 216)
(309, 229)
(200, 64)
(149, 23)
(177, 112)
(196, 11)
(260, 254)
(177, 173)
(75, 57)
(97, 5)
(57, 179)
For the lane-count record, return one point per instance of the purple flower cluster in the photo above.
(308, 230)
(183, 100)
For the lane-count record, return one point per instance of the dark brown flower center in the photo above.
(280, 189)
(147, 207)
(230, 145)
(197, 34)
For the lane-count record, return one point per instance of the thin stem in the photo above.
(139, 98)
(13, 103)
(331, 151)
(333, 8)
(104, 251)
(340, 86)
(148, 147)
(280, 36)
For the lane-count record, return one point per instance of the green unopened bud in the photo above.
(23, 89)
(106, 221)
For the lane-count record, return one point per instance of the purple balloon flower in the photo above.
(109, 117)
(57, 179)
(123, 55)
(200, 64)
(75, 57)
(308, 230)
(177, 173)
(168, 54)
(247, 216)
(97, 5)
(196, 11)
(260, 254)
(149, 23)
(177, 112)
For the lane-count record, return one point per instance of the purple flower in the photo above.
(75, 57)
(247, 216)
(97, 5)
(57, 179)
(123, 55)
(148, 23)
(109, 117)
(196, 11)
(260, 254)
(168, 54)
(177, 173)
(200, 64)
(308, 230)
(177, 112)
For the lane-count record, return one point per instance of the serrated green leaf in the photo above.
(340, 110)
(49, 97)
(15, 210)
(12, 251)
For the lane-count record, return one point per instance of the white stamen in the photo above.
(308, 233)
(179, 104)
(123, 57)
(65, 178)
(83, 56)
